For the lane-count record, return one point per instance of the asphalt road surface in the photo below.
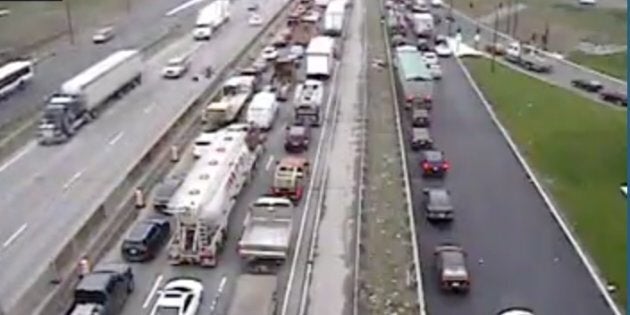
(563, 72)
(517, 254)
(158, 272)
(68, 60)
(46, 189)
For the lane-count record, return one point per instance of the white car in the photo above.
(587, 2)
(103, 35)
(430, 58)
(179, 297)
(437, 3)
(442, 50)
(255, 20)
(516, 311)
(269, 53)
(176, 68)
(436, 71)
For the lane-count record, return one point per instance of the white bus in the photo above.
(14, 75)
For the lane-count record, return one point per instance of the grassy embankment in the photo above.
(615, 65)
(578, 149)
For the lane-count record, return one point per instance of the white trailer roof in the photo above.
(76, 84)
(262, 100)
(336, 6)
(210, 172)
(321, 45)
(12, 67)
(240, 80)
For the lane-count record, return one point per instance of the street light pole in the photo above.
(69, 21)
(508, 18)
(450, 18)
(494, 38)
(514, 33)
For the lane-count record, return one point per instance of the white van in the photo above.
(262, 110)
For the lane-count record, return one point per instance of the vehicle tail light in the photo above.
(445, 165)
(426, 165)
(409, 99)
(428, 98)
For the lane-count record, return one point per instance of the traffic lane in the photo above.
(562, 73)
(69, 60)
(116, 119)
(498, 214)
(91, 185)
(230, 265)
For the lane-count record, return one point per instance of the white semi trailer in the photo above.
(211, 18)
(203, 203)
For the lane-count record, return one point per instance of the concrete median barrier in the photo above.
(51, 291)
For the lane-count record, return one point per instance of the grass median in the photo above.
(615, 65)
(578, 149)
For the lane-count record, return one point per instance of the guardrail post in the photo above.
(139, 199)
(174, 154)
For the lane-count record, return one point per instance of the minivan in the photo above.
(145, 240)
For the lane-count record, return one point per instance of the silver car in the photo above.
(103, 35)
(176, 68)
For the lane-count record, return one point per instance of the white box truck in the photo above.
(334, 17)
(423, 24)
(262, 110)
(210, 18)
(80, 99)
(266, 238)
(320, 57)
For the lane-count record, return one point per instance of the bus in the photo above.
(15, 75)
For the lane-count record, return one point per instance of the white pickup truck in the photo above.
(266, 236)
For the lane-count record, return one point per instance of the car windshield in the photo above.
(167, 310)
(175, 62)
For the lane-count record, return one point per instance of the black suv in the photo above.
(433, 163)
(146, 239)
(103, 291)
(437, 204)
(297, 138)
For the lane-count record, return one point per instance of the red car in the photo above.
(613, 97)
(434, 164)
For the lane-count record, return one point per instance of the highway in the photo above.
(219, 282)
(563, 71)
(517, 254)
(46, 189)
(69, 60)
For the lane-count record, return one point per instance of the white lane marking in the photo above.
(17, 156)
(309, 194)
(72, 180)
(182, 7)
(15, 235)
(149, 108)
(117, 137)
(215, 301)
(156, 284)
(592, 269)
(268, 165)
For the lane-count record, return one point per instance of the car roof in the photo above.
(420, 112)
(439, 196)
(140, 231)
(95, 282)
(433, 155)
(421, 133)
(297, 130)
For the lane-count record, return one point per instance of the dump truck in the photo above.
(235, 93)
(82, 98)
(309, 97)
(289, 178)
(254, 294)
(266, 238)
(203, 203)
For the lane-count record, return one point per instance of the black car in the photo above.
(297, 138)
(423, 45)
(103, 291)
(421, 139)
(146, 239)
(615, 98)
(433, 163)
(587, 85)
(420, 118)
(165, 191)
(450, 262)
(437, 204)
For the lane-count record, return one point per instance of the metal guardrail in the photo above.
(110, 214)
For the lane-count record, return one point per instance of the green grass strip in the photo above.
(615, 65)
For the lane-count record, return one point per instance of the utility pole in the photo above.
(514, 33)
(69, 21)
(508, 16)
(450, 18)
(494, 38)
(545, 36)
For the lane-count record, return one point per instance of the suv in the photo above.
(165, 191)
(145, 240)
(437, 204)
(434, 163)
(420, 118)
(103, 291)
(421, 139)
(297, 138)
(450, 261)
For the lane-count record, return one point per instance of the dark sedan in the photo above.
(587, 85)
(613, 97)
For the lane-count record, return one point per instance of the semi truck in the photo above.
(309, 97)
(235, 93)
(203, 203)
(80, 99)
(266, 238)
(333, 18)
(254, 294)
(320, 57)
(211, 18)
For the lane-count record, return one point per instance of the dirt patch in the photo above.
(569, 23)
(387, 250)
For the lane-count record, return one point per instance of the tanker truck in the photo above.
(203, 203)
